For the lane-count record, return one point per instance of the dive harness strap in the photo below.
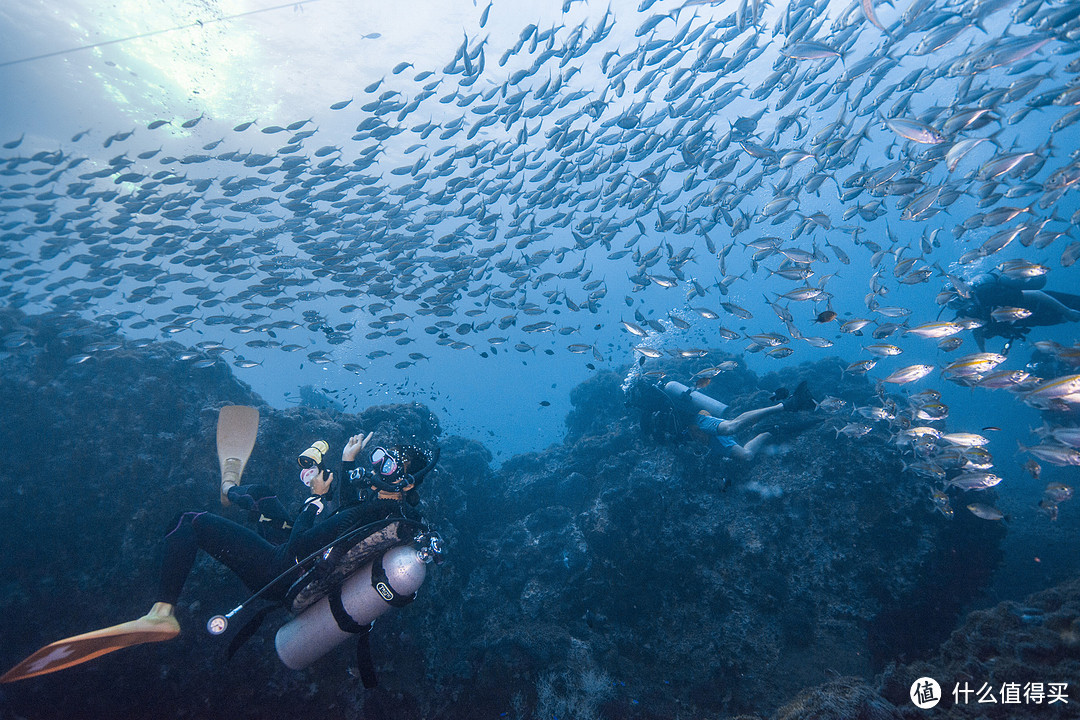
(363, 644)
(381, 583)
(341, 615)
(363, 660)
(248, 629)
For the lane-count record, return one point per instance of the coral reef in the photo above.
(1034, 643)
(1002, 662)
(706, 585)
(610, 576)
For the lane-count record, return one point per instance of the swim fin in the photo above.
(156, 626)
(801, 399)
(236, 429)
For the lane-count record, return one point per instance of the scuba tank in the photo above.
(682, 394)
(390, 580)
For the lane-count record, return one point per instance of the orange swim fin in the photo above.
(236, 430)
(62, 654)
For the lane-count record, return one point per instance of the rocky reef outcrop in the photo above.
(706, 585)
(1013, 661)
(613, 575)
(1018, 660)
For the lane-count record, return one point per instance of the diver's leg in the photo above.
(749, 450)
(730, 427)
(1049, 307)
(708, 424)
(739, 453)
(233, 545)
(752, 447)
(1068, 299)
(980, 338)
(244, 552)
(158, 625)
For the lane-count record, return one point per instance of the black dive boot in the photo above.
(801, 399)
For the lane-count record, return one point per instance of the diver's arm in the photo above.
(349, 492)
(306, 519)
(351, 487)
(307, 537)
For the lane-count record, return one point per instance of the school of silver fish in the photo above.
(687, 145)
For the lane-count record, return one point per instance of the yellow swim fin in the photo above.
(156, 626)
(236, 429)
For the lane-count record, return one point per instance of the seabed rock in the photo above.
(607, 576)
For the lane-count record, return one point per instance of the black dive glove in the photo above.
(239, 496)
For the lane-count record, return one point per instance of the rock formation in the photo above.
(611, 575)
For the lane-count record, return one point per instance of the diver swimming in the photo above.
(1009, 306)
(357, 547)
(673, 411)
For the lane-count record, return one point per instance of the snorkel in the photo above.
(419, 475)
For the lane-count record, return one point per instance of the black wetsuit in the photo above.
(991, 291)
(270, 518)
(256, 560)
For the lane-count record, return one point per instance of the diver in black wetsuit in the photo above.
(1010, 307)
(387, 488)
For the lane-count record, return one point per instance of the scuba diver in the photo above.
(333, 507)
(1009, 307)
(674, 412)
(383, 485)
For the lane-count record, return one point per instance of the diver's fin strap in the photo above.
(248, 629)
(341, 615)
(381, 583)
(363, 660)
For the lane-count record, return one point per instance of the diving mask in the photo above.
(383, 462)
(313, 456)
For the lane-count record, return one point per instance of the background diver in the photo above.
(386, 488)
(1008, 307)
(674, 411)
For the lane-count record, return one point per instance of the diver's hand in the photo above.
(355, 444)
(240, 497)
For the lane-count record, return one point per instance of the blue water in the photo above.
(120, 67)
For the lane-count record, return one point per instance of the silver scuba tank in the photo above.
(679, 392)
(316, 631)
